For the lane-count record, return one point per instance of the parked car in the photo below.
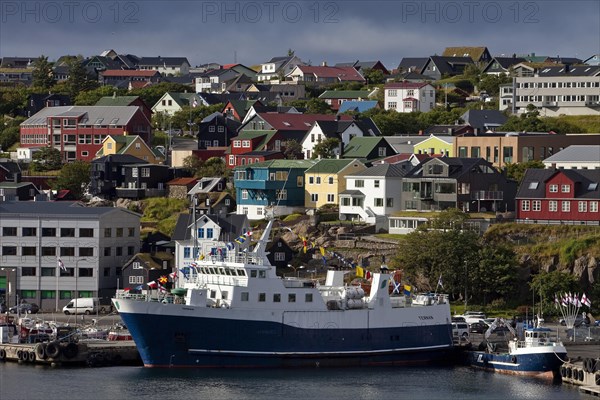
(460, 331)
(478, 327)
(25, 308)
(579, 321)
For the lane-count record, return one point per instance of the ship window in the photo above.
(262, 274)
(245, 296)
(262, 297)
(241, 272)
(276, 298)
(252, 273)
(213, 294)
(308, 298)
(292, 298)
(224, 295)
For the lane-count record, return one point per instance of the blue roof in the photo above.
(359, 106)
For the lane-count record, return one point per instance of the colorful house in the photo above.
(275, 186)
(435, 145)
(132, 145)
(549, 196)
(326, 180)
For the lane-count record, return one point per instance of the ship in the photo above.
(540, 353)
(232, 310)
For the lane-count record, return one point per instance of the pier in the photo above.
(97, 353)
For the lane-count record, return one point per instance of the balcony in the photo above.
(487, 195)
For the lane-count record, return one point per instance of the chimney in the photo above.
(324, 64)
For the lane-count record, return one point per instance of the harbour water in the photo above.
(37, 382)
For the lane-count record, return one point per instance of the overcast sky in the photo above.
(251, 32)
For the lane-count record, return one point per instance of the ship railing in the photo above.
(219, 280)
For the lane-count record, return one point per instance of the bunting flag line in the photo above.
(152, 285)
(407, 289)
(322, 250)
(586, 301)
(241, 239)
(230, 246)
(139, 287)
(162, 280)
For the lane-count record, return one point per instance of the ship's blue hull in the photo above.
(535, 364)
(172, 341)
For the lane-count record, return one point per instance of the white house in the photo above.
(407, 97)
(215, 81)
(207, 237)
(171, 102)
(26, 153)
(165, 65)
(575, 157)
(278, 67)
(373, 194)
(344, 131)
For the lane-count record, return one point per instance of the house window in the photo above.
(145, 172)
(244, 194)
(221, 129)
(119, 232)
(331, 198)
(237, 143)
(314, 197)
(300, 181)
(246, 143)
(29, 231)
(281, 194)
(359, 183)
(231, 160)
(130, 232)
(245, 296)
(10, 231)
(389, 202)
(410, 92)
(553, 206)
(279, 256)
(392, 92)
(408, 104)
(292, 298)
(86, 252)
(378, 202)
(565, 188)
(553, 189)
(330, 180)
(48, 251)
(311, 180)
(376, 183)
(566, 206)
(525, 205)
(582, 206)
(593, 206)
(392, 105)
(28, 251)
(187, 252)
(9, 250)
(536, 205)
(86, 232)
(67, 251)
(211, 128)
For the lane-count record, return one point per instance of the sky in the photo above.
(252, 32)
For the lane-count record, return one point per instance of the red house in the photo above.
(264, 135)
(552, 196)
(78, 131)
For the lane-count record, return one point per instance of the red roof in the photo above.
(183, 181)
(405, 85)
(297, 122)
(342, 73)
(229, 66)
(128, 72)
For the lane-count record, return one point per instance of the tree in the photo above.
(516, 171)
(46, 159)
(291, 52)
(326, 148)
(79, 80)
(193, 164)
(491, 83)
(74, 176)
(373, 76)
(8, 137)
(12, 100)
(91, 97)
(181, 118)
(292, 150)
(42, 75)
(547, 284)
(214, 166)
(497, 273)
(317, 106)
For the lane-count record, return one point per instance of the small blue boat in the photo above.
(540, 354)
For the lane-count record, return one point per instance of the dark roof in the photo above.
(10, 166)
(74, 209)
(458, 166)
(220, 98)
(451, 65)
(368, 127)
(505, 62)
(481, 118)
(171, 61)
(585, 177)
(119, 158)
(231, 223)
(445, 129)
(572, 70)
(387, 170)
(413, 62)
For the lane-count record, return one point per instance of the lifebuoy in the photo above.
(563, 371)
(587, 365)
(53, 350)
(595, 365)
(514, 359)
(2, 354)
(70, 350)
(40, 351)
(31, 356)
(569, 372)
(597, 379)
(581, 375)
(20, 354)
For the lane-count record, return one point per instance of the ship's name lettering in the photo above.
(423, 317)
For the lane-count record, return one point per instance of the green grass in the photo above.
(588, 123)
(164, 212)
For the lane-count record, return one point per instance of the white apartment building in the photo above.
(93, 243)
(408, 97)
(568, 90)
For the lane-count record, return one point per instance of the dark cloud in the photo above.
(333, 31)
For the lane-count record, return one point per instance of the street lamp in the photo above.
(8, 287)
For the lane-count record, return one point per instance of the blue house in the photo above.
(275, 186)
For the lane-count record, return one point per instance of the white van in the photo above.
(86, 305)
(460, 332)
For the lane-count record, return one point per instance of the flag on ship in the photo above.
(360, 273)
(407, 290)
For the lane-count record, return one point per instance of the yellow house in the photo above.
(132, 145)
(324, 181)
(442, 145)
